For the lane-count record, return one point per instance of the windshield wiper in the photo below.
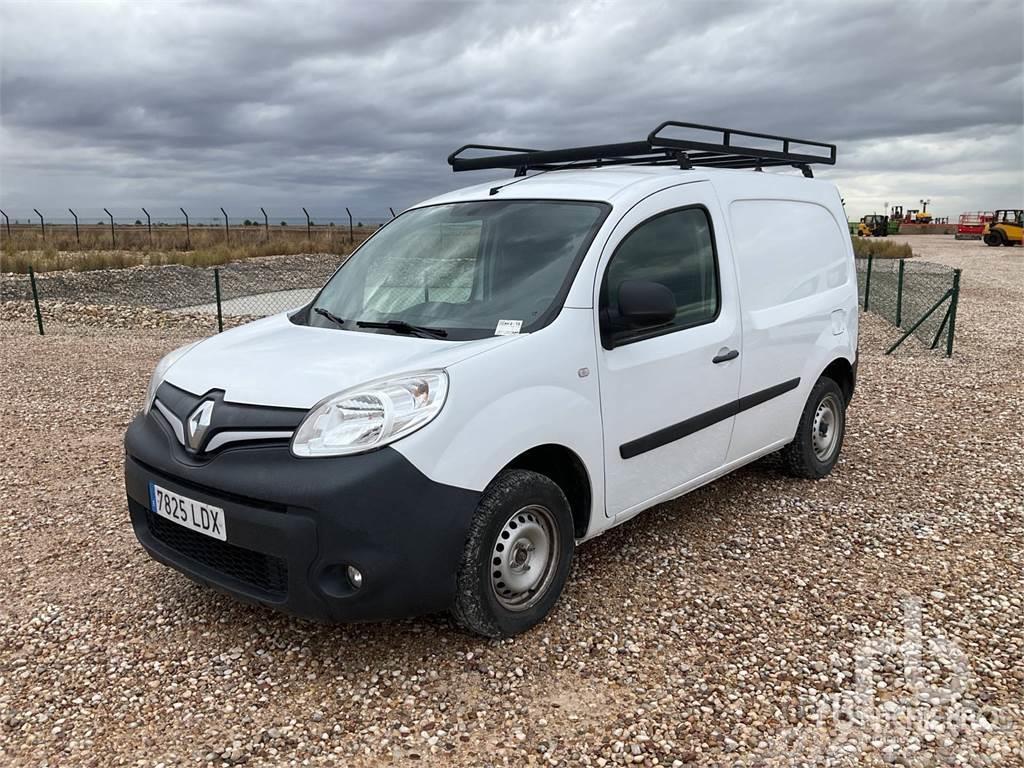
(329, 315)
(400, 326)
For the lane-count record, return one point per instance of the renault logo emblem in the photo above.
(198, 423)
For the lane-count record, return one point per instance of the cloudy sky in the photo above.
(323, 104)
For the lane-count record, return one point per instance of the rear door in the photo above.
(666, 404)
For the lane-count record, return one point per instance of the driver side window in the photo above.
(675, 249)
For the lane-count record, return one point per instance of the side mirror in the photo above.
(645, 304)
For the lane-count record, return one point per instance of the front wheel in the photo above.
(993, 239)
(819, 436)
(517, 555)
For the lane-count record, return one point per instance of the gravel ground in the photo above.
(871, 618)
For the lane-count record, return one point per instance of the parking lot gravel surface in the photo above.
(871, 618)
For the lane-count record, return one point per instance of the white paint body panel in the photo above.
(789, 304)
(647, 385)
(794, 263)
(502, 403)
(278, 363)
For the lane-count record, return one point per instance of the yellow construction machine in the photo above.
(923, 217)
(873, 225)
(1005, 228)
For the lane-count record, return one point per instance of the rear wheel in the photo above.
(993, 238)
(517, 555)
(819, 435)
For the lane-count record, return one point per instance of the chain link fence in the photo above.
(210, 299)
(917, 296)
(207, 299)
(239, 295)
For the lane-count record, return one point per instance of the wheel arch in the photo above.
(566, 469)
(843, 373)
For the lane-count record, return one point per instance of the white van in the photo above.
(506, 371)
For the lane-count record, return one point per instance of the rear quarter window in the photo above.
(786, 251)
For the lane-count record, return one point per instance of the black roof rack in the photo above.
(728, 148)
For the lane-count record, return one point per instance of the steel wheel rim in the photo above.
(524, 558)
(827, 427)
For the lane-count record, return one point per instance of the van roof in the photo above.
(628, 184)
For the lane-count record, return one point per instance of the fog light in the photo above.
(355, 577)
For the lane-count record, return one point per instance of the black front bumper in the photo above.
(295, 525)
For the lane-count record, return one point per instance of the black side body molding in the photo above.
(703, 420)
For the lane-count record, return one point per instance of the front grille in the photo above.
(265, 572)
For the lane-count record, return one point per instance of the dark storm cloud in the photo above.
(326, 105)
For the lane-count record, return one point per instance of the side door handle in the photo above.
(724, 357)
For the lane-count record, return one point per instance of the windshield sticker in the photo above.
(508, 327)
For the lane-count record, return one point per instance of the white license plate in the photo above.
(195, 515)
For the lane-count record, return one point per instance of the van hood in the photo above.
(274, 362)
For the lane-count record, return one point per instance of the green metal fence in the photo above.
(205, 298)
(917, 296)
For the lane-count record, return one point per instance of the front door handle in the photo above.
(724, 357)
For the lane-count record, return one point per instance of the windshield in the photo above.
(462, 268)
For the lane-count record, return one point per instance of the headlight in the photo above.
(161, 370)
(372, 415)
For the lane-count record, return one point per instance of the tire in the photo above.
(807, 456)
(993, 238)
(522, 531)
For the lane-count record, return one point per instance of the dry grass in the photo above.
(880, 248)
(205, 246)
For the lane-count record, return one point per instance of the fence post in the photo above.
(149, 226)
(227, 231)
(266, 225)
(8, 224)
(952, 312)
(188, 237)
(867, 282)
(309, 236)
(35, 298)
(899, 295)
(351, 238)
(113, 241)
(42, 223)
(216, 290)
(77, 238)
